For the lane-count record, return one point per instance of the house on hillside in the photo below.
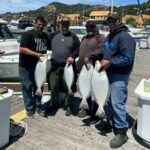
(138, 19)
(98, 15)
(75, 19)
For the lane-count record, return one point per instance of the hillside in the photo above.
(48, 11)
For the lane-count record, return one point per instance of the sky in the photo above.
(26, 5)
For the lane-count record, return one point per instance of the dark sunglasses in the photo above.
(90, 26)
(111, 21)
(65, 23)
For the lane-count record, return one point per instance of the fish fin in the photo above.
(70, 92)
(100, 114)
(84, 104)
(38, 92)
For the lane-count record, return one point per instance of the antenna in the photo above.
(112, 5)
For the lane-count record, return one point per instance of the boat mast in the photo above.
(112, 5)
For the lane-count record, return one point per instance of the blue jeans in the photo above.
(115, 106)
(29, 88)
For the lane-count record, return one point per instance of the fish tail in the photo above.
(84, 104)
(70, 92)
(38, 92)
(100, 114)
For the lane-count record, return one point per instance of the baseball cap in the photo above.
(90, 23)
(65, 21)
(113, 16)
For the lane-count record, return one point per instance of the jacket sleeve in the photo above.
(76, 47)
(100, 48)
(126, 51)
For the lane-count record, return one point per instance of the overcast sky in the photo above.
(26, 5)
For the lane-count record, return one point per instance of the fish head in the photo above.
(89, 66)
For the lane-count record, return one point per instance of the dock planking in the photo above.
(58, 132)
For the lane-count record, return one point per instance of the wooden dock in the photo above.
(59, 132)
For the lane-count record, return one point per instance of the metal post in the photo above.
(112, 3)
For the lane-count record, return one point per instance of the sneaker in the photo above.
(68, 111)
(82, 113)
(118, 140)
(30, 114)
(39, 111)
(93, 120)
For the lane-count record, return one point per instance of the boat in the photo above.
(9, 67)
(19, 26)
(9, 55)
(9, 71)
(80, 31)
(8, 43)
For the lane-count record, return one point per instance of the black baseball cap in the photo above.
(90, 23)
(65, 21)
(113, 16)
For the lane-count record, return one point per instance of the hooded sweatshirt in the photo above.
(120, 50)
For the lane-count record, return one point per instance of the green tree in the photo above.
(131, 21)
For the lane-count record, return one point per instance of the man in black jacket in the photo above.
(118, 61)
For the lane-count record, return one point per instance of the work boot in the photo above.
(82, 113)
(93, 120)
(68, 111)
(39, 111)
(118, 140)
(30, 114)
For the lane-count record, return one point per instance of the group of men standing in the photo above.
(115, 53)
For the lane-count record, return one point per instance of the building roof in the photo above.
(99, 13)
(70, 15)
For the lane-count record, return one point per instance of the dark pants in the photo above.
(57, 84)
(29, 88)
(93, 107)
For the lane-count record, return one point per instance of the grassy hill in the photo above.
(48, 11)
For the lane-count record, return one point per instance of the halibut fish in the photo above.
(69, 77)
(84, 84)
(100, 88)
(40, 74)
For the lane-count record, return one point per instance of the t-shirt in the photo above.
(35, 42)
(64, 46)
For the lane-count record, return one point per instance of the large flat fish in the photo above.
(100, 88)
(84, 84)
(68, 77)
(40, 75)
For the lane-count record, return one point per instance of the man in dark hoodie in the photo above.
(118, 61)
(65, 48)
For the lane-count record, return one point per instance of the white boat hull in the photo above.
(9, 70)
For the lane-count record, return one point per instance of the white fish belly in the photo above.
(100, 87)
(40, 72)
(84, 81)
(68, 77)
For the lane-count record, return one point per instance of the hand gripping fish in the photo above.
(100, 88)
(84, 84)
(68, 77)
(40, 74)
